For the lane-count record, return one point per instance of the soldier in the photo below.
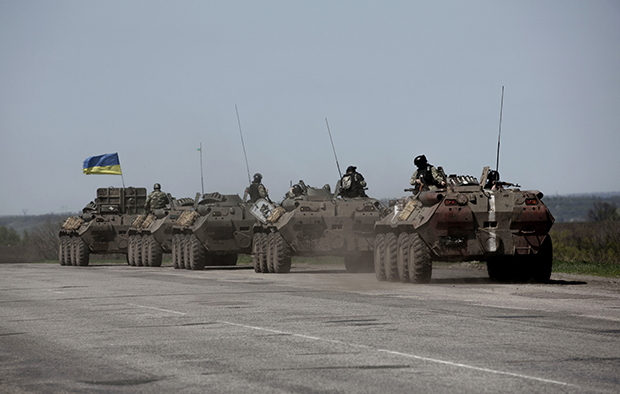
(492, 180)
(427, 176)
(296, 191)
(352, 184)
(156, 199)
(256, 190)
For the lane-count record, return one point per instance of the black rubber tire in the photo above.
(175, 251)
(138, 249)
(281, 255)
(268, 266)
(420, 262)
(130, 247)
(542, 262)
(379, 254)
(154, 252)
(390, 259)
(82, 253)
(257, 252)
(62, 250)
(197, 254)
(402, 259)
(187, 251)
(71, 242)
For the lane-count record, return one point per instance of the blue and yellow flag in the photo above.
(103, 164)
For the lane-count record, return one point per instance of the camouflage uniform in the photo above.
(430, 176)
(155, 200)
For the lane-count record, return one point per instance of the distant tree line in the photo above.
(43, 238)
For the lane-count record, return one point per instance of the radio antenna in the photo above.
(501, 110)
(333, 148)
(247, 166)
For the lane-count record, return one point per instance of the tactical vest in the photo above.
(426, 175)
(254, 192)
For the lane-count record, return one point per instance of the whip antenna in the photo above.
(334, 149)
(243, 145)
(500, 130)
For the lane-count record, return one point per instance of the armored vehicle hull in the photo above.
(150, 235)
(213, 234)
(508, 228)
(102, 227)
(316, 224)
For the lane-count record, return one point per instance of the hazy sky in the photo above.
(152, 80)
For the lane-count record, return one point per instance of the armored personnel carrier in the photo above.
(467, 220)
(214, 233)
(150, 235)
(102, 227)
(315, 223)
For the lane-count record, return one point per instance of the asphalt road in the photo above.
(120, 329)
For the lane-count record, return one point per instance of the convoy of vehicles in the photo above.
(464, 221)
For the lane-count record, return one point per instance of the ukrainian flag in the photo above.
(103, 164)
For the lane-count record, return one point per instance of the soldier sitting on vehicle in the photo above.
(352, 184)
(156, 199)
(427, 177)
(296, 191)
(492, 180)
(256, 190)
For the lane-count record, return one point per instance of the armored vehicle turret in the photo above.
(467, 220)
(315, 223)
(214, 233)
(150, 235)
(102, 227)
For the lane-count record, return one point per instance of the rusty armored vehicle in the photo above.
(465, 221)
(102, 226)
(214, 233)
(315, 223)
(150, 234)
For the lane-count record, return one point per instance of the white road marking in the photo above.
(158, 309)
(433, 360)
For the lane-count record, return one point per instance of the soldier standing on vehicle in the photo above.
(156, 199)
(352, 184)
(427, 176)
(256, 190)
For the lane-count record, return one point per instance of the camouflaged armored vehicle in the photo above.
(316, 223)
(214, 233)
(467, 220)
(150, 235)
(102, 227)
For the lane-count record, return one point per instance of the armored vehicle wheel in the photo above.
(264, 263)
(187, 251)
(175, 251)
(62, 250)
(270, 253)
(81, 252)
(402, 260)
(70, 251)
(420, 263)
(281, 255)
(542, 262)
(197, 254)
(390, 257)
(181, 248)
(379, 257)
(154, 252)
(258, 253)
(130, 246)
(138, 251)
